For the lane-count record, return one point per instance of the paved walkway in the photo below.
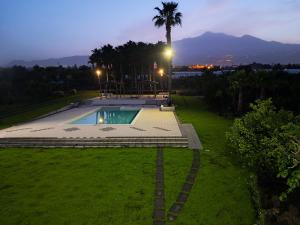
(150, 122)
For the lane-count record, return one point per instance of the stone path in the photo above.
(159, 198)
(186, 188)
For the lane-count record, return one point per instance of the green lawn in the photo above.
(94, 186)
(116, 186)
(27, 112)
(220, 194)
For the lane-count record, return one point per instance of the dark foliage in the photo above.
(231, 93)
(20, 84)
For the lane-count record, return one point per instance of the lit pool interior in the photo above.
(114, 115)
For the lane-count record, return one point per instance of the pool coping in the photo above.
(140, 109)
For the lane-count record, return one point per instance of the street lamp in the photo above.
(98, 73)
(161, 73)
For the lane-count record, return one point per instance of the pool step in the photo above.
(95, 142)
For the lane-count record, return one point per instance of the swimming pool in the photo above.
(107, 115)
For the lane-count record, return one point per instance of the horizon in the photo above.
(87, 54)
(34, 31)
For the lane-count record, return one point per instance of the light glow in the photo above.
(161, 72)
(101, 120)
(98, 72)
(169, 53)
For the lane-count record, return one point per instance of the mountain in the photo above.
(209, 48)
(223, 49)
(65, 61)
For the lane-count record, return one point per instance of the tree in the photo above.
(238, 82)
(169, 17)
(267, 141)
(96, 58)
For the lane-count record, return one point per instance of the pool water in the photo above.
(109, 116)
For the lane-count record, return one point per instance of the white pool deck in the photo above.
(150, 122)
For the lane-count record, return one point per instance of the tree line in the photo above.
(232, 92)
(129, 68)
(20, 84)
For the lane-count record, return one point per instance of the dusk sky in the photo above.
(39, 29)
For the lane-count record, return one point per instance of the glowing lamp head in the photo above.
(161, 72)
(101, 120)
(169, 53)
(98, 72)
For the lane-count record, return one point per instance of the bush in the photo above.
(267, 141)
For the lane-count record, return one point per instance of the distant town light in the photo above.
(199, 66)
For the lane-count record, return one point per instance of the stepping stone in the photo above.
(191, 178)
(159, 214)
(107, 129)
(182, 198)
(159, 176)
(139, 129)
(159, 128)
(71, 129)
(159, 187)
(159, 203)
(187, 187)
(176, 208)
(195, 165)
(159, 193)
(194, 170)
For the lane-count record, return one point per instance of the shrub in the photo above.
(267, 141)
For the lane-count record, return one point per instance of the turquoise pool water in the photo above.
(109, 116)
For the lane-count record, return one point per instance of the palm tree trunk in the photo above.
(168, 36)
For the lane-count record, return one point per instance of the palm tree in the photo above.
(169, 17)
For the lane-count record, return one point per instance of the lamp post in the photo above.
(169, 56)
(98, 73)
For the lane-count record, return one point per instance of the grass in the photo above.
(116, 186)
(220, 194)
(76, 187)
(28, 112)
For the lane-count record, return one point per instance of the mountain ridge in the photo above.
(224, 49)
(208, 48)
(63, 61)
